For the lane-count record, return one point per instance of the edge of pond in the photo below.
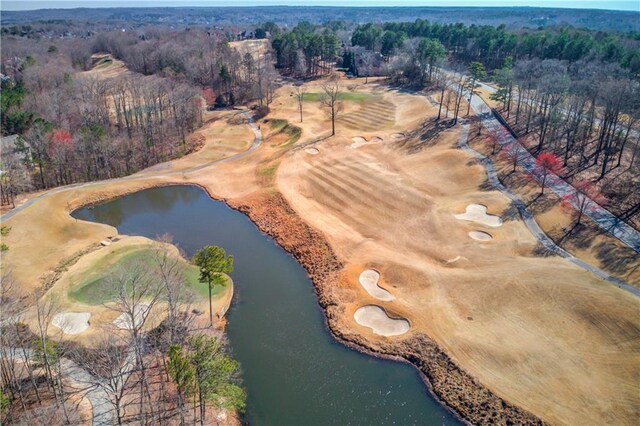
(337, 335)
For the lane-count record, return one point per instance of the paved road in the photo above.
(257, 141)
(605, 219)
(530, 221)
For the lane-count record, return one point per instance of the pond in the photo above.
(293, 370)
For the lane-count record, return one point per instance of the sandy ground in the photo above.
(369, 281)
(480, 236)
(123, 321)
(378, 321)
(477, 213)
(536, 331)
(72, 322)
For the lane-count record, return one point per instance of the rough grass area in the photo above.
(97, 288)
(292, 132)
(344, 96)
(278, 123)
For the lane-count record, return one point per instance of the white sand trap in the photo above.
(357, 142)
(369, 280)
(480, 236)
(478, 213)
(455, 259)
(376, 318)
(72, 322)
(376, 139)
(312, 151)
(398, 136)
(124, 320)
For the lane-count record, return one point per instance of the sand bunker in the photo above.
(72, 322)
(480, 236)
(369, 280)
(398, 136)
(478, 213)
(139, 315)
(376, 319)
(357, 142)
(312, 151)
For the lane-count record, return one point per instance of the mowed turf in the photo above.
(539, 332)
(371, 116)
(100, 285)
(344, 96)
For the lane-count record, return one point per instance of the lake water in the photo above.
(293, 371)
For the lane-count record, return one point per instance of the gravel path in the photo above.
(530, 221)
(257, 141)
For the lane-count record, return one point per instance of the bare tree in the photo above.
(111, 366)
(138, 293)
(171, 270)
(331, 100)
(299, 92)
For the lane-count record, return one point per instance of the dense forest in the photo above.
(77, 126)
(289, 16)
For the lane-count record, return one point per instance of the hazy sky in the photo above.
(577, 4)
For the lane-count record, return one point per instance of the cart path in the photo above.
(530, 221)
(601, 216)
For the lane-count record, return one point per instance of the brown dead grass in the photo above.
(527, 327)
(538, 332)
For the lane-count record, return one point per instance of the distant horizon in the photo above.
(28, 5)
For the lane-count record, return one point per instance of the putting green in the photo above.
(95, 286)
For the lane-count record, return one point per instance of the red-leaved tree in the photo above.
(547, 163)
(586, 197)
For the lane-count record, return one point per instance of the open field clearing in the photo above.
(537, 331)
(106, 66)
(256, 48)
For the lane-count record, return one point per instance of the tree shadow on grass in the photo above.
(511, 212)
(541, 251)
(424, 137)
(617, 259)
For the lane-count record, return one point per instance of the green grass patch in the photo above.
(294, 133)
(278, 123)
(97, 288)
(344, 96)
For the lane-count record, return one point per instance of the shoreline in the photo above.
(322, 271)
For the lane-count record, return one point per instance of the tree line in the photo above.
(306, 51)
(493, 45)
